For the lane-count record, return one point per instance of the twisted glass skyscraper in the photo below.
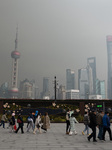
(109, 57)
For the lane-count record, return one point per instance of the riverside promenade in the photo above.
(54, 139)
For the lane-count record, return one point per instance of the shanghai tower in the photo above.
(109, 58)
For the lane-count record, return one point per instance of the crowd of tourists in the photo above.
(35, 121)
(92, 120)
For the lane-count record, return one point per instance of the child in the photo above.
(72, 124)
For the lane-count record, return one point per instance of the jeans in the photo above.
(86, 128)
(100, 134)
(2, 123)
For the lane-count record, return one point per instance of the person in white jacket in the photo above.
(72, 124)
(38, 124)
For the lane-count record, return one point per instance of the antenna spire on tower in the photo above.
(16, 40)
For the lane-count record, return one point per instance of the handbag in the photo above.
(15, 128)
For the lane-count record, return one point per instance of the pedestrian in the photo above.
(12, 122)
(38, 124)
(99, 120)
(106, 126)
(30, 122)
(35, 116)
(68, 121)
(72, 124)
(3, 119)
(92, 125)
(46, 122)
(86, 123)
(20, 124)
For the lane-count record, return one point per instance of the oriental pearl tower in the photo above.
(15, 56)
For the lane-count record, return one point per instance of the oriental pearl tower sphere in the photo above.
(15, 56)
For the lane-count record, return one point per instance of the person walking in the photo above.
(46, 122)
(12, 122)
(68, 121)
(86, 123)
(72, 125)
(3, 119)
(20, 124)
(92, 125)
(38, 124)
(30, 123)
(106, 126)
(99, 121)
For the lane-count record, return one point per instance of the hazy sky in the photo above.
(54, 35)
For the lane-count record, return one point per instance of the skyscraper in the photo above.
(100, 88)
(109, 57)
(83, 83)
(15, 56)
(26, 89)
(45, 92)
(70, 79)
(61, 92)
(92, 63)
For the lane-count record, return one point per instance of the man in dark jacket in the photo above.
(106, 126)
(20, 124)
(92, 125)
(99, 121)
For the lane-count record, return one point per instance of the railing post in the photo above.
(82, 108)
(1, 106)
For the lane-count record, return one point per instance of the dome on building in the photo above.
(15, 54)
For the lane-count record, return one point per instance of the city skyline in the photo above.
(54, 36)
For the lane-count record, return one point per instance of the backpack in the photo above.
(30, 119)
(19, 121)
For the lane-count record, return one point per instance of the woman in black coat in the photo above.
(20, 124)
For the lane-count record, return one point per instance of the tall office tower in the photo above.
(83, 83)
(109, 57)
(4, 90)
(45, 93)
(61, 92)
(92, 63)
(70, 79)
(15, 56)
(26, 89)
(90, 79)
(100, 88)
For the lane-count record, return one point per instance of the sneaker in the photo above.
(70, 133)
(88, 139)
(67, 132)
(82, 133)
(95, 141)
(34, 133)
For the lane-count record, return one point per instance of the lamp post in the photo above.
(55, 88)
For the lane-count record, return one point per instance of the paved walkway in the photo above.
(54, 139)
